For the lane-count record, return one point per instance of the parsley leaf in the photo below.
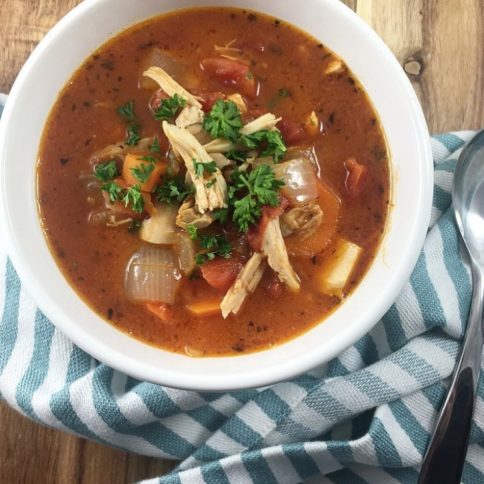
(155, 147)
(113, 190)
(283, 92)
(271, 143)
(236, 155)
(192, 231)
(214, 245)
(173, 190)
(143, 171)
(202, 168)
(261, 188)
(223, 121)
(106, 171)
(126, 111)
(221, 215)
(169, 108)
(133, 132)
(132, 196)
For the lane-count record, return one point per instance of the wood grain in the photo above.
(439, 43)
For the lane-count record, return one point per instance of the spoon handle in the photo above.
(445, 456)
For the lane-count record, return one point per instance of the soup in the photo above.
(213, 181)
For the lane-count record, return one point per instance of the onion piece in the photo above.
(300, 182)
(186, 253)
(153, 275)
(160, 228)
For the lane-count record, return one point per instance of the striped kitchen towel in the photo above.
(364, 417)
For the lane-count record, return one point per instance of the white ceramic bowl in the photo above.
(50, 66)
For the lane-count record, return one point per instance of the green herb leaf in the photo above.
(169, 108)
(173, 190)
(202, 168)
(114, 191)
(106, 171)
(284, 92)
(223, 121)
(214, 245)
(269, 142)
(133, 132)
(221, 215)
(237, 156)
(133, 197)
(143, 171)
(260, 187)
(155, 146)
(192, 232)
(126, 111)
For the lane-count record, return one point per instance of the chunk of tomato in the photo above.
(293, 133)
(232, 73)
(221, 273)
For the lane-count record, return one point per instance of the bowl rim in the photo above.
(103, 352)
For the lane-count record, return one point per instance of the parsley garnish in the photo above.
(133, 132)
(202, 168)
(173, 190)
(272, 142)
(223, 121)
(284, 92)
(262, 187)
(126, 111)
(236, 155)
(213, 245)
(221, 215)
(192, 231)
(132, 196)
(169, 108)
(106, 171)
(113, 190)
(155, 147)
(143, 171)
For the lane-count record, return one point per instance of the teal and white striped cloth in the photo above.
(365, 417)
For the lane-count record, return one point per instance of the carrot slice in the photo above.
(330, 205)
(134, 161)
(356, 175)
(209, 307)
(162, 311)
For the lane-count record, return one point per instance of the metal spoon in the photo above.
(445, 457)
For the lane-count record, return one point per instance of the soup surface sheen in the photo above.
(294, 76)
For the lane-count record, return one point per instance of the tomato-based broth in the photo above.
(213, 181)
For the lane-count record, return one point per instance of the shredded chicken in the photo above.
(245, 284)
(210, 189)
(227, 48)
(274, 248)
(334, 67)
(266, 121)
(116, 223)
(170, 86)
(221, 160)
(218, 145)
(238, 100)
(199, 133)
(304, 220)
(188, 215)
(189, 116)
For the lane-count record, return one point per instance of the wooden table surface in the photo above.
(439, 43)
